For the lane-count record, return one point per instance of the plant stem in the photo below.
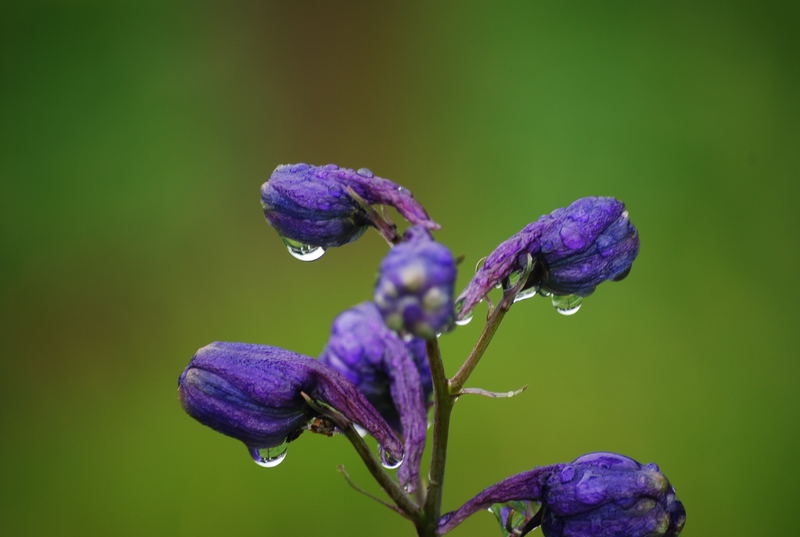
(384, 480)
(492, 324)
(442, 408)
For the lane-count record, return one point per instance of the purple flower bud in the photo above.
(392, 374)
(253, 393)
(312, 205)
(597, 495)
(414, 291)
(574, 249)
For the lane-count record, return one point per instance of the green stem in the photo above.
(442, 408)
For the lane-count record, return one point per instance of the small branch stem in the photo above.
(384, 480)
(355, 487)
(386, 228)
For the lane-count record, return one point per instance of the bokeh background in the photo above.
(135, 139)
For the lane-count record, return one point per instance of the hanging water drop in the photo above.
(389, 462)
(303, 252)
(467, 319)
(567, 304)
(269, 457)
(525, 294)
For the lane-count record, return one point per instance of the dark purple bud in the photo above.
(414, 292)
(574, 249)
(253, 393)
(312, 206)
(597, 495)
(391, 373)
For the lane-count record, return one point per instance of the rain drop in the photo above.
(567, 304)
(365, 172)
(467, 319)
(269, 457)
(362, 432)
(303, 252)
(389, 462)
(525, 294)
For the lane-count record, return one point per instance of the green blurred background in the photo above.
(134, 142)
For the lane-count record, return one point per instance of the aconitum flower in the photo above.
(314, 206)
(391, 373)
(253, 393)
(574, 249)
(414, 292)
(597, 495)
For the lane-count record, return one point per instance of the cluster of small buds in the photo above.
(414, 291)
(375, 372)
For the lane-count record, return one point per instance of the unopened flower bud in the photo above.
(314, 205)
(414, 292)
(391, 373)
(597, 495)
(573, 249)
(254, 393)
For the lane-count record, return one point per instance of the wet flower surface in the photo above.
(573, 249)
(318, 206)
(597, 495)
(253, 393)
(391, 373)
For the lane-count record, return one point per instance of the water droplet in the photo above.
(466, 320)
(479, 264)
(525, 294)
(544, 292)
(362, 432)
(365, 172)
(389, 462)
(303, 252)
(269, 457)
(567, 304)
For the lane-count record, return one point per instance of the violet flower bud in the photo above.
(392, 374)
(253, 393)
(312, 206)
(597, 495)
(574, 249)
(414, 292)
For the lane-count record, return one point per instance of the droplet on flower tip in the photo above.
(389, 462)
(365, 172)
(525, 294)
(567, 304)
(269, 457)
(303, 252)
(467, 319)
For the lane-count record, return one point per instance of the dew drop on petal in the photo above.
(525, 294)
(567, 304)
(303, 252)
(389, 462)
(365, 172)
(466, 320)
(269, 457)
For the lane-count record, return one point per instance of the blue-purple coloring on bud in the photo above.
(392, 374)
(573, 249)
(414, 292)
(596, 495)
(253, 393)
(312, 207)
